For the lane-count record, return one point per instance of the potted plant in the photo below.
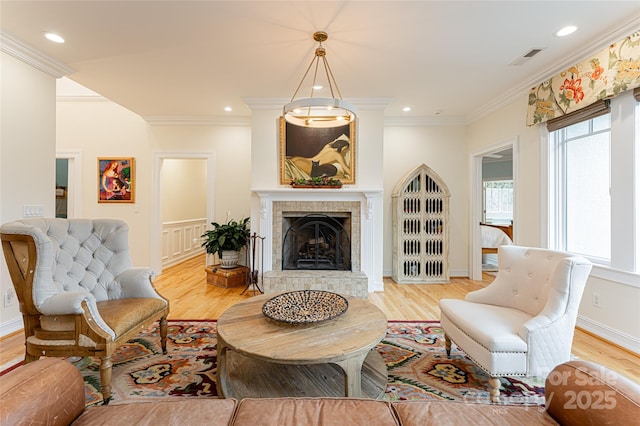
(316, 182)
(226, 240)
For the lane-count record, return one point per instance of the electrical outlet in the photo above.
(9, 298)
(595, 299)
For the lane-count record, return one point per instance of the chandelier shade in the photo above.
(319, 111)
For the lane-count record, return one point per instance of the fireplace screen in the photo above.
(316, 241)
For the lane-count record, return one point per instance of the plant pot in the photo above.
(229, 259)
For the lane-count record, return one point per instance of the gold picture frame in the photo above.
(116, 180)
(307, 152)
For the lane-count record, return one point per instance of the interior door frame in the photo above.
(156, 203)
(475, 216)
(74, 181)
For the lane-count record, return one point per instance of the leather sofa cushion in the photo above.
(313, 411)
(192, 412)
(442, 413)
(46, 384)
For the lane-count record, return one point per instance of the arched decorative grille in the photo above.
(421, 228)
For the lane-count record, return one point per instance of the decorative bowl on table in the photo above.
(305, 306)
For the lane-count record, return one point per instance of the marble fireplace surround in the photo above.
(301, 202)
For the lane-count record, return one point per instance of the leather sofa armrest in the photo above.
(49, 390)
(581, 392)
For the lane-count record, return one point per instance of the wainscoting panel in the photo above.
(181, 240)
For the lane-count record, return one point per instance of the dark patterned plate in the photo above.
(305, 306)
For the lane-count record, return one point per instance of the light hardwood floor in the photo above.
(185, 285)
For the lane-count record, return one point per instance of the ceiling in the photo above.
(450, 61)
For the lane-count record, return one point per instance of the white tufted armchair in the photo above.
(79, 294)
(521, 324)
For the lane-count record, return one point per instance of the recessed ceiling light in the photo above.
(566, 31)
(406, 109)
(228, 109)
(317, 87)
(53, 37)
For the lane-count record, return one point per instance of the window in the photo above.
(498, 201)
(593, 200)
(583, 180)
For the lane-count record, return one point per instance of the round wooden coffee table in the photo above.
(259, 357)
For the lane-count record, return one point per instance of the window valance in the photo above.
(606, 74)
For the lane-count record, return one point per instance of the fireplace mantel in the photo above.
(370, 208)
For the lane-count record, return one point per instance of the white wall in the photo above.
(184, 184)
(105, 129)
(27, 155)
(444, 150)
(232, 148)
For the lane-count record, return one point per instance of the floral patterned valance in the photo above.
(606, 74)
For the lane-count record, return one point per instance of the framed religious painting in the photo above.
(116, 180)
(307, 153)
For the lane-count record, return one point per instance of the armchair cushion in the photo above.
(124, 315)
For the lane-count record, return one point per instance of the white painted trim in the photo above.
(198, 121)
(278, 103)
(619, 277)
(31, 56)
(11, 326)
(422, 121)
(612, 335)
(475, 206)
(74, 182)
(156, 198)
(181, 240)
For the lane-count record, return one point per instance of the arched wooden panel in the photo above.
(420, 204)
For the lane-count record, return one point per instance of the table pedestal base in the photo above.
(251, 378)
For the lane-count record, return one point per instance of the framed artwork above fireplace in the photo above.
(309, 152)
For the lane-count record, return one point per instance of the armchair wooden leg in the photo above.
(105, 378)
(163, 334)
(447, 345)
(30, 358)
(494, 389)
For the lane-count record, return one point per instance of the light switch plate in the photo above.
(33, 210)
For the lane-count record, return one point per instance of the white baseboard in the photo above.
(611, 334)
(11, 326)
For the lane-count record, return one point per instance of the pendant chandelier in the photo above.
(317, 111)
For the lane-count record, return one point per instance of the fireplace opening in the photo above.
(316, 241)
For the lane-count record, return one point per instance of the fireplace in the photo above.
(317, 242)
(358, 211)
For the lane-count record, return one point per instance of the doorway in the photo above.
(497, 206)
(494, 201)
(161, 197)
(68, 184)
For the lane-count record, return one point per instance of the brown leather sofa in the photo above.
(51, 392)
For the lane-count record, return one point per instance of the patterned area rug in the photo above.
(418, 367)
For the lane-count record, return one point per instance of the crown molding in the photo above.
(422, 121)
(578, 56)
(81, 98)
(236, 121)
(279, 103)
(27, 54)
